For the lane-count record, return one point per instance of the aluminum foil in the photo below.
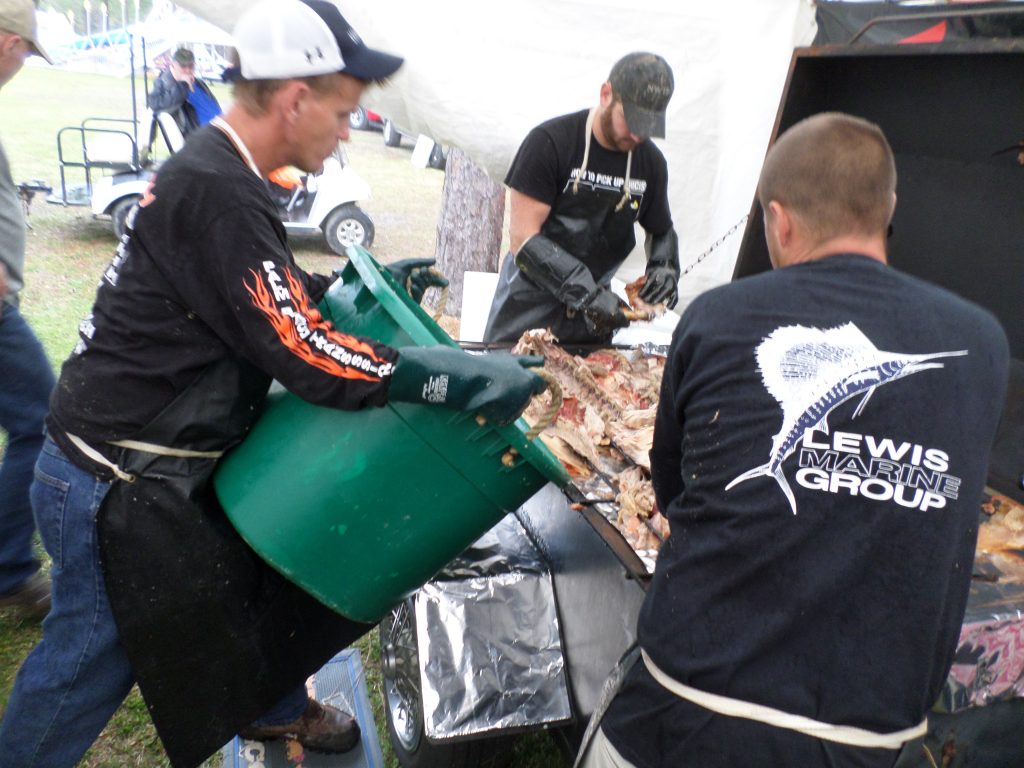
(489, 645)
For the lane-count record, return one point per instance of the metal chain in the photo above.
(715, 245)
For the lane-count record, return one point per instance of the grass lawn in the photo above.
(66, 252)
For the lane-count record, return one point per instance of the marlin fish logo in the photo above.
(812, 371)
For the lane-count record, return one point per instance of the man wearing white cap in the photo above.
(202, 306)
(26, 378)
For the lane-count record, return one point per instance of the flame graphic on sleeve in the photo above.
(303, 347)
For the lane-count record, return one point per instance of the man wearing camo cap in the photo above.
(578, 184)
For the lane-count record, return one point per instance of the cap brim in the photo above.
(644, 122)
(37, 49)
(368, 64)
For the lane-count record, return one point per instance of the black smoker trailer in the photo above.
(520, 632)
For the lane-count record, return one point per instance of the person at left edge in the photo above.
(26, 378)
(201, 307)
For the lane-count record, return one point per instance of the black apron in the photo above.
(586, 223)
(214, 635)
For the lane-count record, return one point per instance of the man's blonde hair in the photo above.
(835, 172)
(255, 95)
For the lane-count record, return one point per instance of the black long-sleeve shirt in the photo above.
(820, 452)
(205, 273)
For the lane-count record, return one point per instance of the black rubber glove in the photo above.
(662, 282)
(606, 311)
(661, 285)
(422, 276)
(496, 385)
(549, 266)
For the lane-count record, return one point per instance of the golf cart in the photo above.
(326, 201)
(106, 152)
(117, 168)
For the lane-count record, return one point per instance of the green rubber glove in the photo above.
(495, 385)
(422, 276)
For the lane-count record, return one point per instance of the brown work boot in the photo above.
(321, 728)
(32, 598)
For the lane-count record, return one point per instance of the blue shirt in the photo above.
(205, 105)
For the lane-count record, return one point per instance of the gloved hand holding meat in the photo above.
(498, 386)
(662, 276)
(606, 311)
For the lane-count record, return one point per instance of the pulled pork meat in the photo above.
(1000, 553)
(639, 520)
(641, 306)
(605, 425)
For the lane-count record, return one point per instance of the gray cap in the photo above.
(644, 84)
(19, 17)
(185, 57)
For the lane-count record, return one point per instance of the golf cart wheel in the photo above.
(392, 136)
(347, 225)
(403, 706)
(357, 119)
(119, 213)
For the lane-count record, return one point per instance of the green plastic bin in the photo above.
(361, 508)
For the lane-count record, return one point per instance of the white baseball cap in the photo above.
(284, 39)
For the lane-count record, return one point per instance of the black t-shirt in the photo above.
(205, 274)
(551, 155)
(593, 221)
(820, 450)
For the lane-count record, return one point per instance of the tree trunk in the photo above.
(470, 225)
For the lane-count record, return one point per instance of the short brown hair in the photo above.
(835, 172)
(184, 57)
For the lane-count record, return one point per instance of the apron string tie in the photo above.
(137, 445)
(163, 450)
(841, 734)
(588, 134)
(625, 187)
(99, 458)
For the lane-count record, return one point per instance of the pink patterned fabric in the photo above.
(989, 663)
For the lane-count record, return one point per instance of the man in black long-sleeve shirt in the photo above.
(820, 451)
(201, 307)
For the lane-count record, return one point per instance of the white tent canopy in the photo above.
(479, 75)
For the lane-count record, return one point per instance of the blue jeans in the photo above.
(78, 674)
(75, 679)
(26, 381)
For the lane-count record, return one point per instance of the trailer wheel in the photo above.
(119, 213)
(348, 225)
(403, 706)
(392, 136)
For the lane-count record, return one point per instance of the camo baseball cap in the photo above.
(19, 17)
(643, 82)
